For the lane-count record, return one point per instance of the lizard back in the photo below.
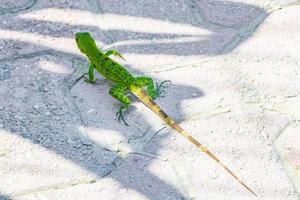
(112, 70)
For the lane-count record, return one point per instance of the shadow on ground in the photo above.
(53, 92)
(4, 197)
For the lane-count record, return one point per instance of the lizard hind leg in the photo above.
(152, 91)
(118, 93)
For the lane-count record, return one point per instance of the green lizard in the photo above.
(124, 81)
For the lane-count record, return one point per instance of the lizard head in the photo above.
(86, 43)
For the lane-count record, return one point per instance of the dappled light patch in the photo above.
(107, 138)
(58, 43)
(54, 67)
(30, 164)
(108, 21)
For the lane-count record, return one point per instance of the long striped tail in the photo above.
(140, 93)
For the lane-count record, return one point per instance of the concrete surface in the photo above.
(234, 67)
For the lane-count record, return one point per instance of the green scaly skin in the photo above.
(114, 72)
(124, 81)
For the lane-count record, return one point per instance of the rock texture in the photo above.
(235, 72)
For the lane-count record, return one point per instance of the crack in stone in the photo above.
(115, 164)
(27, 56)
(167, 68)
(197, 12)
(55, 187)
(16, 9)
(220, 110)
(294, 118)
(145, 154)
(180, 181)
(292, 122)
(153, 136)
(276, 6)
(96, 7)
(231, 108)
(245, 32)
(66, 90)
(77, 110)
(139, 137)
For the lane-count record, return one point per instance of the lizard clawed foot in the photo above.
(120, 116)
(118, 55)
(115, 53)
(86, 79)
(160, 89)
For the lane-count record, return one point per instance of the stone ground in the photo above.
(235, 72)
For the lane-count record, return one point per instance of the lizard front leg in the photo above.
(118, 93)
(91, 78)
(152, 91)
(115, 53)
